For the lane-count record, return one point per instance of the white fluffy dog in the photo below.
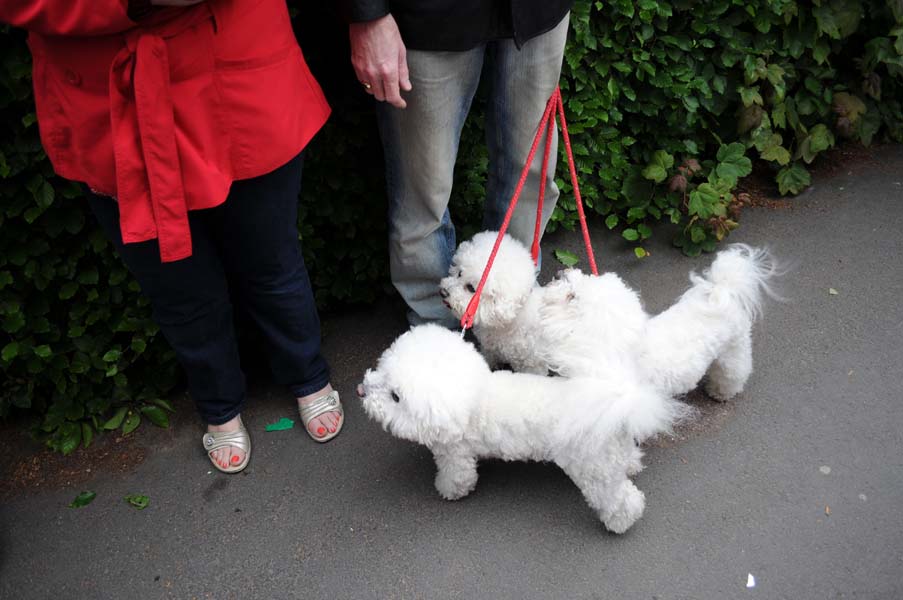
(434, 388)
(508, 320)
(707, 332)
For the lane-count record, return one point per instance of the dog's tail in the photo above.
(739, 278)
(640, 410)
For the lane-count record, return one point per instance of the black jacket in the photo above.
(461, 24)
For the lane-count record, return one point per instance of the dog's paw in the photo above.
(627, 509)
(722, 390)
(451, 487)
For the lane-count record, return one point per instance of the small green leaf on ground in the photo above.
(281, 425)
(566, 257)
(832, 291)
(640, 252)
(83, 499)
(139, 502)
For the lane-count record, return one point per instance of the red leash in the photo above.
(547, 123)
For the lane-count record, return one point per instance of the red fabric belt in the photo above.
(149, 182)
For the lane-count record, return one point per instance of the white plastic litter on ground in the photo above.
(750, 581)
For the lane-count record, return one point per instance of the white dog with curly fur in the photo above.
(584, 325)
(707, 333)
(434, 388)
(508, 322)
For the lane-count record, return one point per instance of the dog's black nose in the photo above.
(443, 292)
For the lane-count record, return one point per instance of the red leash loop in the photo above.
(547, 123)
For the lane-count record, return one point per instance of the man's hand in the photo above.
(380, 59)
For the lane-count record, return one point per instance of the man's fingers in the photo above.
(390, 87)
(404, 77)
(378, 90)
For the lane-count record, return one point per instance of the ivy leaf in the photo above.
(116, 420)
(566, 257)
(137, 501)
(777, 154)
(733, 163)
(43, 351)
(132, 420)
(631, 235)
(156, 415)
(639, 252)
(611, 221)
(793, 179)
(83, 499)
(10, 351)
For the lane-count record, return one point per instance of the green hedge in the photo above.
(669, 103)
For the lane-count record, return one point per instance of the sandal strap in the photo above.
(324, 404)
(220, 439)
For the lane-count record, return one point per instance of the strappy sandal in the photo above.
(220, 439)
(322, 405)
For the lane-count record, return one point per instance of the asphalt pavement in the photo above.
(792, 490)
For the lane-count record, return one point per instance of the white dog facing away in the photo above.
(584, 325)
(434, 388)
(508, 322)
(706, 333)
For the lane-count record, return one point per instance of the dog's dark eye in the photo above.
(469, 287)
(395, 397)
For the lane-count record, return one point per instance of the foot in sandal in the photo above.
(228, 445)
(322, 414)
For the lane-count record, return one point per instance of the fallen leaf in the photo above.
(139, 502)
(281, 425)
(83, 499)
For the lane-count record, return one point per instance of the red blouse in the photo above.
(165, 114)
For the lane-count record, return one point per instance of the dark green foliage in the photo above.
(669, 103)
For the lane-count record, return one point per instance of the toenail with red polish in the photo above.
(236, 459)
(321, 430)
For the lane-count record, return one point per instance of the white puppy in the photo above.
(708, 331)
(434, 388)
(508, 323)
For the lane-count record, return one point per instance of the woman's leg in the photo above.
(259, 237)
(190, 302)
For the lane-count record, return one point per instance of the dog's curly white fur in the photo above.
(434, 388)
(707, 332)
(508, 314)
(508, 320)
(583, 325)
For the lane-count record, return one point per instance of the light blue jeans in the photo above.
(421, 146)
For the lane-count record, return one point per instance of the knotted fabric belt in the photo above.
(149, 180)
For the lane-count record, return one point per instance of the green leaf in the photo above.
(639, 252)
(566, 257)
(165, 404)
(631, 235)
(156, 415)
(83, 499)
(280, 425)
(43, 351)
(10, 351)
(655, 173)
(87, 434)
(132, 420)
(611, 221)
(733, 163)
(644, 230)
(777, 154)
(116, 420)
(112, 356)
(137, 501)
(793, 179)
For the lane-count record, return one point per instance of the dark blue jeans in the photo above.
(246, 248)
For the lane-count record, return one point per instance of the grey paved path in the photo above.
(743, 491)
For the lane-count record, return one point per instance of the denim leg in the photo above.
(190, 302)
(421, 145)
(521, 82)
(258, 229)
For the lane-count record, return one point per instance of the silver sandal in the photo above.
(220, 439)
(322, 405)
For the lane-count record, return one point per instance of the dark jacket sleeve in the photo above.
(356, 11)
